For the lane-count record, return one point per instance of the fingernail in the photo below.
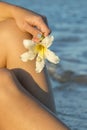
(39, 36)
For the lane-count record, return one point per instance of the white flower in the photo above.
(40, 51)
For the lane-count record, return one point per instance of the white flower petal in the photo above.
(28, 56)
(28, 43)
(42, 52)
(31, 55)
(40, 63)
(24, 57)
(47, 41)
(52, 57)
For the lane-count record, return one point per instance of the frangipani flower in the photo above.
(40, 51)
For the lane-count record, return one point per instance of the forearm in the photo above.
(5, 11)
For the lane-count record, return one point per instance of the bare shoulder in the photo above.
(10, 36)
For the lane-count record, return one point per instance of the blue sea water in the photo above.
(68, 21)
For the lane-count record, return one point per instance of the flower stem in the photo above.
(42, 37)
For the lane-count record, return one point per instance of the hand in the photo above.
(31, 22)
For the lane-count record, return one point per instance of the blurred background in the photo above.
(68, 21)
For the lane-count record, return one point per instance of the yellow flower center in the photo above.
(39, 48)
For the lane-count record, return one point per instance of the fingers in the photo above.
(31, 22)
(45, 19)
(42, 24)
(33, 31)
(38, 26)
